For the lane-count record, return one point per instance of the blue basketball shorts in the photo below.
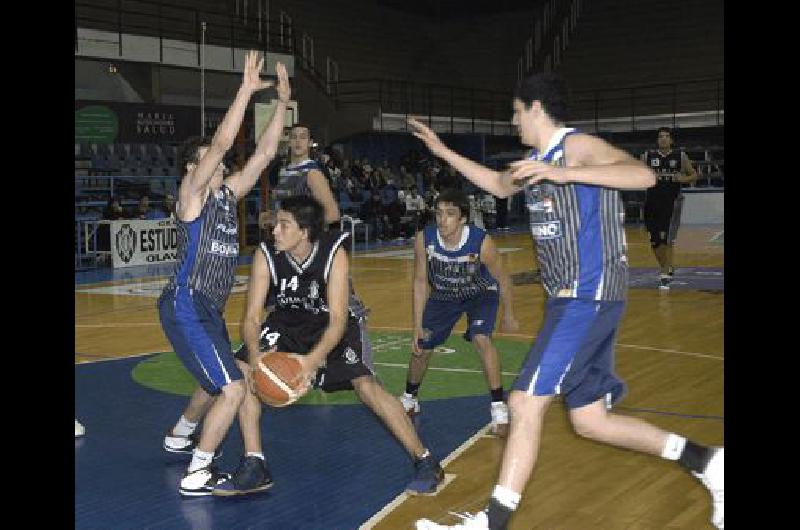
(439, 317)
(573, 355)
(197, 332)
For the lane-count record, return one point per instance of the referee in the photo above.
(662, 206)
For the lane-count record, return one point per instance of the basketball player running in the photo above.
(457, 271)
(571, 182)
(663, 202)
(190, 307)
(308, 271)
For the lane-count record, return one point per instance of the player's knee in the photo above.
(234, 390)
(365, 386)
(588, 425)
(523, 408)
(483, 342)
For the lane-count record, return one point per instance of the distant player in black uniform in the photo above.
(190, 307)
(308, 270)
(664, 201)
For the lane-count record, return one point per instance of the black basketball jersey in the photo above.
(667, 168)
(301, 289)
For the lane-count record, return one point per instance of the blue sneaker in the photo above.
(252, 476)
(428, 474)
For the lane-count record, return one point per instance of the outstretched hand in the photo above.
(251, 80)
(424, 133)
(283, 88)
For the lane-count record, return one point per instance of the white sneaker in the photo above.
(499, 418)
(410, 404)
(713, 478)
(80, 430)
(479, 521)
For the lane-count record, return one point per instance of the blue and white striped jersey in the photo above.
(208, 248)
(293, 181)
(579, 234)
(457, 274)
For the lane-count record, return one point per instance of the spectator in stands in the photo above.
(373, 213)
(113, 210)
(415, 207)
(145, 211)
(169, 206)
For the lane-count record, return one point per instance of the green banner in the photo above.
(96, 124)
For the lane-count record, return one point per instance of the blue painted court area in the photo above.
(333, 466)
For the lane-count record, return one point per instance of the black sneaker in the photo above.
(201, 482)
(428, 474)
(184, 445)
(252, 476)
(663, 281)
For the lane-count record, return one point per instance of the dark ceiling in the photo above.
(453, 9)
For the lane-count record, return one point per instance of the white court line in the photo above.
(378, 517)
(131, 356)
(435, 369)
(634, 346)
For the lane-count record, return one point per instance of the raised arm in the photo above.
(194, 184)
(243, 181)
(257, 290)
(482, 176)
(421, 289)
(590, 160)
(491, 259)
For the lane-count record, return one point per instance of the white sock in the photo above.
(200, 459)
(184, 427)
(259, 455)
(506, 497)
(673, 447)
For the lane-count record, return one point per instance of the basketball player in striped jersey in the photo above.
(307, 268)
(571, 182)
(190, 307)
(664, 201)
(457, 272)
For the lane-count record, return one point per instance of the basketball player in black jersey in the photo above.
(663, 203)
(191, 305)
(308, 270)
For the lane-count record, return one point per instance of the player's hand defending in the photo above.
(509, 323)
(283, 88)
(526, 172)
(251, 79)
(305, 378)
(424, 133)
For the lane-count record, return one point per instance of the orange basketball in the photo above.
(273, 379)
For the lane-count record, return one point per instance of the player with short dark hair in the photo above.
(308, 269)
(191, 304)
(571, 182)
(664, 201)
(457, 271)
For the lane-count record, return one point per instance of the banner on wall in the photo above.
(143, 242)
(109, 122)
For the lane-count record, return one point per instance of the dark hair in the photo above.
(304, 126)
(666, 130)
(308, 214)
(187, 152)
(455, 197)
(548, 88)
